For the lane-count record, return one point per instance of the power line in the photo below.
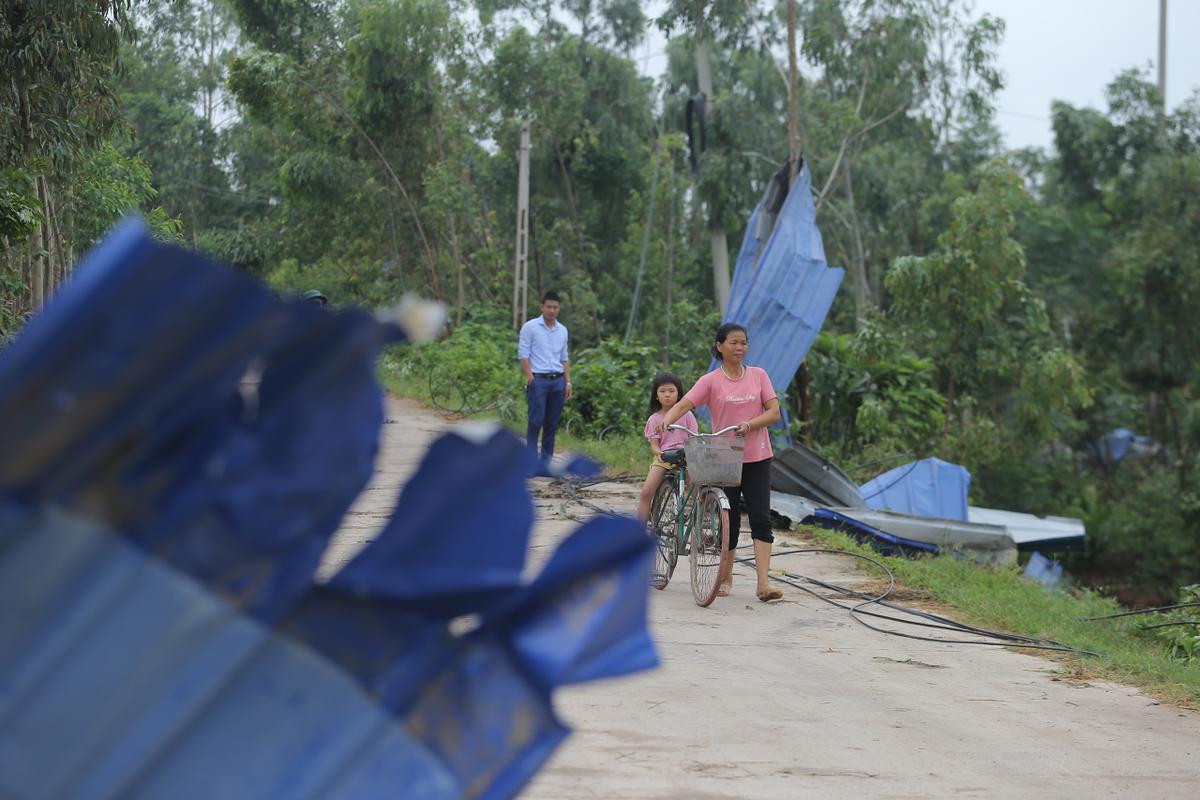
(1022, 115)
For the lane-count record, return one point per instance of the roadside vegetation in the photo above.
(472, 373)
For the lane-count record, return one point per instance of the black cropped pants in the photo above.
(755, 494)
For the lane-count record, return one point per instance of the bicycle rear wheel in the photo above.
(709, 545)
(664, 526)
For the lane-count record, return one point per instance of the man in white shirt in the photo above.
(542, 349)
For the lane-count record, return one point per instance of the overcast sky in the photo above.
(1070, 49)
(1064, 50)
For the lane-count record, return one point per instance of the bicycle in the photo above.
(689, 514)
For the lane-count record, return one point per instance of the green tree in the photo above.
(56, 105)
(172, 94)
(1006, 380)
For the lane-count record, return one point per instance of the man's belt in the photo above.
(548, 375)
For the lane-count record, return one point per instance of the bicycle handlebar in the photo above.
(689, 432)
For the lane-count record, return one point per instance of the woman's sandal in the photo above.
(769, 595)
(724, 589)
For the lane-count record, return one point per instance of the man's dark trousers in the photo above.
(546, 397)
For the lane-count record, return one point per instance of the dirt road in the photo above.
(795, 699)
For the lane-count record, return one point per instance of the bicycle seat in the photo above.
(672, 456)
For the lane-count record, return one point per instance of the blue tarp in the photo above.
(783, 293)
(1121, 442)
(178, 448)
(928, 488)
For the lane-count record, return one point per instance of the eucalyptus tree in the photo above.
(351, 101)
(1007, 379)
(1115, 246)
(57, 105)
(593, 128)
(892, 91)
(172, 93)
(899, 103)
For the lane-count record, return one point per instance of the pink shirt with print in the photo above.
(670, 440)
(736, 401)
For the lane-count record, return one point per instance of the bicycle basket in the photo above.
(715, 461)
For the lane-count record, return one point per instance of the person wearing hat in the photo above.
(315, 297)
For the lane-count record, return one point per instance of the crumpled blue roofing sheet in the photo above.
(928, 488)
(783, 294)
(161, 518)
(883, 542)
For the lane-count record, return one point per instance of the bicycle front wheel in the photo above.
(664, 528)
(709, 545)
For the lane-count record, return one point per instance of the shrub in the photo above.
(1179, 631)
(474, 370)
(611, 385)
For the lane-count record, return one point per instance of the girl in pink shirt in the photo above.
(664, 393)
(742, 396)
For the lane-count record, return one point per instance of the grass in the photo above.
(1001, 599)
(622, 455)
(403, 385)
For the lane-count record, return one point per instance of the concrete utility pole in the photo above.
(521, 265)
(720, 248)
(1162, 52)
(803, 380)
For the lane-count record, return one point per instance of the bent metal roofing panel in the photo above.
(783, 293)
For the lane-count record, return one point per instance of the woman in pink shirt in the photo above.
(743, 396)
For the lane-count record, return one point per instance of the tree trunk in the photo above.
(7, 299)
(862, 289)
(535, 254)
(37, 264)
(47, 239)
(1179, 445)
(566, 176)
(804, 381)
(716, 234)
(63, 268)
(395, 236)
(949, 410)
(43, 264)
(670, 266)
(793, 99)
(69, 238)
(27, 276)
(456, 251)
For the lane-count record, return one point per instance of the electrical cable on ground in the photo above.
(936, 621)
(858, 611)
(1140, 611)
(571, 488)
(1169, 624)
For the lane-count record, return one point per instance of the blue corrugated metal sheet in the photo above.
(783, 293)
(929, 488)
(161, 634)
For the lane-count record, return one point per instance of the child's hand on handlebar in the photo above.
(743, 428)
